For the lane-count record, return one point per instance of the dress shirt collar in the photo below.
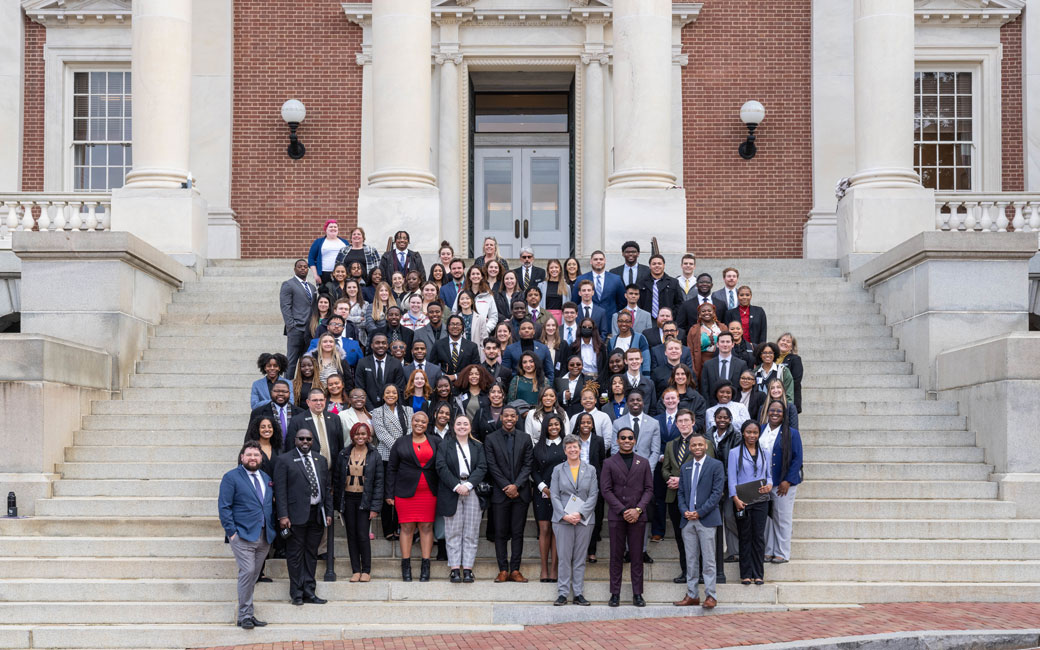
(553, 441)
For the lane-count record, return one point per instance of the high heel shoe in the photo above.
(424, 570)
(406, 569)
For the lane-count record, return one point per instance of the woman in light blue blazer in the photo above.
(273, 367)
(573, 479)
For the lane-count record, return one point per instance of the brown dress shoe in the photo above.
(687, 601)
(516, 576)
(656, 538)
(709, 603)
(502, 576)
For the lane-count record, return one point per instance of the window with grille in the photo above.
(944, 133)
(100, 130)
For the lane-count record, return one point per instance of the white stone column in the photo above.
(886, 204)
(1031, 93)
(401, 193)
(642, 200)
(642, 94)
(161, 70)
(448, 160)
(153, 205)
(401, 87)
(594, 146)
(12, 27)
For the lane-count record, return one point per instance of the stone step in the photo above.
(925, 529)
(872, 490)
(157, 421)
(196, 381)
(815, 379)
(885, 471)
(893, 592)
(835, 422)
(809, 395)
(227, 394)
(816, 354)
(212, 470)
(883, 551)
(867, 438)
(197, 488)
(894, 454)
(880, 407)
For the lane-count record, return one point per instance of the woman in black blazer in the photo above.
(357, 480)
(570, 400)
(588, 334)
(411, 487)
(548, 453)
(461, 467)
(789, 357)
(487, 418)
(758, 328)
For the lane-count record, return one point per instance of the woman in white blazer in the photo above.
(573, 478)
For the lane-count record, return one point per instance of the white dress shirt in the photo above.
(465, 463)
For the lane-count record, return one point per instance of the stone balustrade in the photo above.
(982, 212)
(53, 212)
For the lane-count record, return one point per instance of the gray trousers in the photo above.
(462, 530)
(729, 518)
(700, 545)
(249, 556)
(572, 545)
(778, 526)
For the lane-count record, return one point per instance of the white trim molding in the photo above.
(78, 13)
(967, 13)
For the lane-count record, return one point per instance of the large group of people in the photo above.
(431, 397)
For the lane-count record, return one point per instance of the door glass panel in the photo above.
(545, 194)
(498, 194)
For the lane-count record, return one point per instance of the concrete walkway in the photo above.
(721, 631)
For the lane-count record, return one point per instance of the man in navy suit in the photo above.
(246, 514)
(609, 291)
(700, 488)
(587, 308)
(631, 272)
(511, 357)
(401, 259)
(451, 289)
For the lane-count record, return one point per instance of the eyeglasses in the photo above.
(527, 257)
(304, 439)
(626, 438)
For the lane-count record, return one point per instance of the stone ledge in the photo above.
(1008, 357)
(939, 245)
(37, 246)
(922, 640)
(38, 357)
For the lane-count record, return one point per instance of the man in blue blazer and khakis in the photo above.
(701, 482)
(247, 516)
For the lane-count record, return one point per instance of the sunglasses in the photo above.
(304, 439)
(626, 438)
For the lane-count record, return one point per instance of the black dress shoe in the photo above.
(647, 559)
(720, 579)
(323, 557)
(580, 600)
(638, 601)
(297, 601)
(679, 579)
(264, 579)
(258, 623)
(560, 600)
(246, 624)
(732, 558)
(424, 570)
(467, 575)
(615, 600)
(406, 569)
(456, 576)
(279, 554)
(314, 600)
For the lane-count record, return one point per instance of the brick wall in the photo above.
(1012, 150)
(303, 49)
(32, 111)
(740, 50)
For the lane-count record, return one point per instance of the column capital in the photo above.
(599, 57)
(364, 57)
(441, 58)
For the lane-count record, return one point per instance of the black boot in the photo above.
(406, 569)
(424, 570)
(456, 576)
(442, 551)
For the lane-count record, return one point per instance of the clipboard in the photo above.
(574, 504)
(748, 492)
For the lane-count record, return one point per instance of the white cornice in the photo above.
(360, 13)
(77, 13)
(966, 13)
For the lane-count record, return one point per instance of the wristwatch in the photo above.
(639, 510)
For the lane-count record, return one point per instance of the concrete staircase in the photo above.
(897, 503)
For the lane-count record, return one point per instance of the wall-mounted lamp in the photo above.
(751, 113)
(293, 112)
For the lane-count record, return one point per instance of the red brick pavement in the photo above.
(714, 631)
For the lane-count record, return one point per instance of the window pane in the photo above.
(963, 178)
(115, 83)
(79, 129)
(964, 130)
(498, 194)
(964, 83)
(928, 177)
(97, 83)
(964, 106)
(115, 154)
(545, 194)
(962, 155)
(80, 84)
(946, 129)
(946, 103)
(930, 129)
(98, 179)
(80, 106)
(97, 130)
(115, 177)
(945, 179)
(929, 84)
(928, 155)
(79, 155)
(127, 157)
(946, 83)
(115, 130)
(929, 106)
(946, 154)
(79, 178)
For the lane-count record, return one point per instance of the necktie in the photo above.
(725, 368)
(669, 428)
(256, 486)
(308, 466)
(570, 334)
(693, 489)
(527, 277)
(455, 355)
(654, 302)
(686, 284)
(421, 366)
(588, 312)
(732, 304)
(379, 373)
(631, 275)
(599, 286)
(400, 256)
(635, 425)
(281, 416)
(534, 314)
(680, 453)
(307, 288)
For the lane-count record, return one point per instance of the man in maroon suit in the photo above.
(627, 486)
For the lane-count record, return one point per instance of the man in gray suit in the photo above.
(436, 330)
(700, 488)
(295, 299)
(648, 444)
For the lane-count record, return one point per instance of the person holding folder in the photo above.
(749, 487)
(573, 490)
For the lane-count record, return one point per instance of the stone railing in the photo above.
(53, 212)
(980, 212)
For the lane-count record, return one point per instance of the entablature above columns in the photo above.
(78, 13)
(967, 13)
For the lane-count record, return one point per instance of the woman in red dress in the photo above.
(412, 484)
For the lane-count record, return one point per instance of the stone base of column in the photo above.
(639, 214)
(224, 235)
(820, 236)
(175, 221)
(872, 220)
(382, 211)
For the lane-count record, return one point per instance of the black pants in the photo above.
(597, 527)
(657, 506)
(388, 515)
(676, 518)
(510, 521)
(296, 342)
(751, 531)
(355, 520)
(301, 554)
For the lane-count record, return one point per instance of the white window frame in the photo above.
(69, 156)
(983, 62)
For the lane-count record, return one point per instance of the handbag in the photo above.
(483, 489)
